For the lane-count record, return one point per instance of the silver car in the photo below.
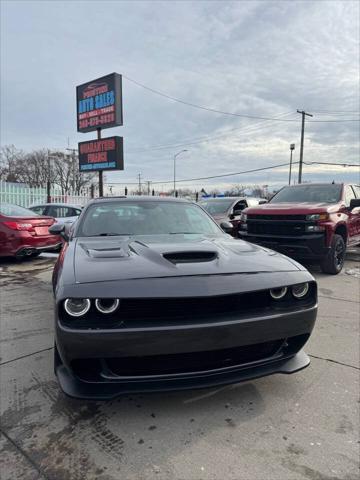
(62, 212)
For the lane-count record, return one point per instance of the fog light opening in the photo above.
(299, 291)
(77, 307)
(107, 305)
(278, 293)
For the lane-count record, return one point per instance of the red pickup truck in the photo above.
(308, 222)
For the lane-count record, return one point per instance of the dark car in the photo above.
(23, 233)
(310, 222)
(152, 295)
(229, 209)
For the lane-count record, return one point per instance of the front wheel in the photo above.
(334, 261)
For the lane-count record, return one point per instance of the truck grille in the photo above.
(276, 224)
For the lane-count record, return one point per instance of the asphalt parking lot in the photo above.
(303, 426)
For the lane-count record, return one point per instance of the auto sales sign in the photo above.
(102, 154)
(99, 103)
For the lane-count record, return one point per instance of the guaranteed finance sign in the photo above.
(99, 103)
(104, 154)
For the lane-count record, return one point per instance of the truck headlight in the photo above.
(243, 217)
(315, 217)
(314, 228)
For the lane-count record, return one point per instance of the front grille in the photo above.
(149, 312)
(276, 224)
(143, 313)
(276, 217)
(192, 307)
(275, 228)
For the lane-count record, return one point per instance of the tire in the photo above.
(334, 261)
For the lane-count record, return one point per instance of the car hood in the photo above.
(302, 208)
(114, 258)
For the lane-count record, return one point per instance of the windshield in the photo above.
(215, 207)
(308, 193)
(145, 218)
(16, 211)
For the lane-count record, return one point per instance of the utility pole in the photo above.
(48, 183)
(139, 177)
(148, 186)
(292, 148)
(303, 113)
(176, 155)
(101, 179)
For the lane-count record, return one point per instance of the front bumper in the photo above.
(311, 246)
(74, 387)
(99, 349)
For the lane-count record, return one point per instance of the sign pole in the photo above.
(101, 184)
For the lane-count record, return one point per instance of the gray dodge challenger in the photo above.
(152, 295)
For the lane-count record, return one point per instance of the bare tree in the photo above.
(10, 157)
(43, 168)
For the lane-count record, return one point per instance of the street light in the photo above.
(176, 154)
(292, 148)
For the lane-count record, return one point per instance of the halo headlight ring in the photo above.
(77, 310)
(107, 309)
(278, 293)
(300, 291)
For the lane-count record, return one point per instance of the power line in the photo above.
(333, 163)
(215, 176)
(196, 141)
(213, 110)
(238, 173)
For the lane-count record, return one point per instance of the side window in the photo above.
(349, 195)
(58, 211)
(239, 206)
(356, 189)
(39, 209)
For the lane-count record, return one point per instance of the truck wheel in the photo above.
(334, 261)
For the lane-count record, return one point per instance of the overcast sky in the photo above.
(265, 58)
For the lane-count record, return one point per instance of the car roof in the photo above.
(211, 199)
(317, 184)
(56, 204)
(139, 198)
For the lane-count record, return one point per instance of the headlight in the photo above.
(77, 307)
(314, 228)
(107, 305)
(315, 217)
(243, 217)
(299, 291)
(278, 293)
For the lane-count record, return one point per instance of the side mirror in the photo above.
(354, 202)
(59, 229)
(227, 227)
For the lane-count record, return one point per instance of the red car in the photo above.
(24, 233)
(314, 222)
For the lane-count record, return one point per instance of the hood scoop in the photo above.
(190, 257)
(107, 250)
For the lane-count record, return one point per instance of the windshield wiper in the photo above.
(109, 234)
